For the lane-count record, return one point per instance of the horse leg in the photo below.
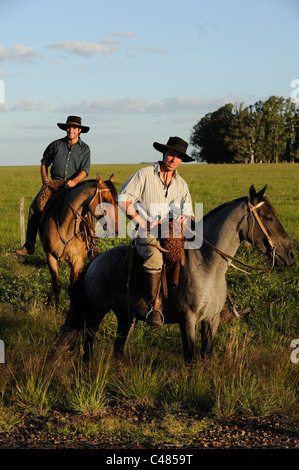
(90, 333)
(208, 333)
(93, 320)
(187, 326)
(76, 269)
(55, 283)
(125, 328)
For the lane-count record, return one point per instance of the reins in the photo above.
(256, 217)
(77, 214)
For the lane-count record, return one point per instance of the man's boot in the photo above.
(153, 286)
(27, 249)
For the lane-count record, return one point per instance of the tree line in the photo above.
(267, 131)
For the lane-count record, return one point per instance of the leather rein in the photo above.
(77, 214)
(253, 210)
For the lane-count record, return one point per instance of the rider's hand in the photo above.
(71, 183)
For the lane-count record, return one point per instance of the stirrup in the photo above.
(158, 311)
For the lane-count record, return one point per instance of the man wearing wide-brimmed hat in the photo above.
(157, 187)
(68, 159)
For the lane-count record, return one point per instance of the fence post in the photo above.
(22, 223)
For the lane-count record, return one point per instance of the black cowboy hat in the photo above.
(73, 121)
(178, 145)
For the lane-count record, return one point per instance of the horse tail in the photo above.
(71, 331)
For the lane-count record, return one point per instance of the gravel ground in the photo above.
(238, 433)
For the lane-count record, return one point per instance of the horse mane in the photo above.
(108, 182)
(218, 208)
(112, 188)
(268, 204)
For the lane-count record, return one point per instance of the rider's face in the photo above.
(172, 160)
(73, 133)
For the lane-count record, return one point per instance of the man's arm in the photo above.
(80, 177)
(128, 208)
(44, 173)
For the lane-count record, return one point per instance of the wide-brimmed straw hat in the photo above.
(178, 145)
(73, 121)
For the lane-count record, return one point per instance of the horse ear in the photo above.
(252, 193)
(99, 180)
(254, 196)
(261, 193)
(112, 178)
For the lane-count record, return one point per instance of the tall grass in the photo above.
(250, 372)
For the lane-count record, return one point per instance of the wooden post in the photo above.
(22, 223)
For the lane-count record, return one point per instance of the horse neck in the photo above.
(222, 228)
(76, 200)
(82, 196)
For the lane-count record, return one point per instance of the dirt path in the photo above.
(241, 433)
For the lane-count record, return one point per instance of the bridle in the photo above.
(256, 218)
(98, 191)
(87, 224)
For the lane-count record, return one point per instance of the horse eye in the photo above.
(270, 219)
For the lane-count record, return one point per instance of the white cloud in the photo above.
(123, 34)
(148, 50)
(28, 104)
(84, 48)
(135, 105)
(18, 53)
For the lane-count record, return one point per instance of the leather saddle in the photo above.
(129, 270)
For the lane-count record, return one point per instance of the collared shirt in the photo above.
(67, 161)
(148, 192)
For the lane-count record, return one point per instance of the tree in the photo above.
(272, 128)
(242, 134)
(292, 131)
(266, 131)
(209, 136)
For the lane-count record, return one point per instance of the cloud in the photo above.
(148, 50)
(18, 53)
(135, 105)
(85, 48)
(28, 104)
(103, 47)
(123, 34)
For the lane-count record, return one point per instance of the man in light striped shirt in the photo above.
(149, 196)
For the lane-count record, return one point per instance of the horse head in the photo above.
(103, 206)
(265, 230)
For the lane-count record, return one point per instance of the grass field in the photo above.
(251, 372)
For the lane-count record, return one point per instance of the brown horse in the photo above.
(66, 232)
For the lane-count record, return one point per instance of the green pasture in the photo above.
(251, 372)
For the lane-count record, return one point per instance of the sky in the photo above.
(136, 71)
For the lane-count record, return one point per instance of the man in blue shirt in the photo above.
(69, 159)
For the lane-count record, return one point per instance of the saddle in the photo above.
(130, 264)
(48, 194)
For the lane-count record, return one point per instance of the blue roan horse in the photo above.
(201, 292)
